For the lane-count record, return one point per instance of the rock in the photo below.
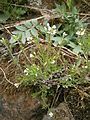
(62, 112)
(19, 107)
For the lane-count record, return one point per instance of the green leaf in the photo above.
(28, 35)
(20, 11)
(72, 45)
(34, 32)
(3, 17)
(69, 3)
(17, 32)
(57, 40)
(77, 49)
(34, 22)
(21, 28)
(40, 28)
(28, 24)
(13, 39)
(23, 38)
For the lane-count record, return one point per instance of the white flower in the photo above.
(29, 38)
(31, 55)
(54, 26)
(34, 53)
(45, 63)
(48, 25)
(81, 32)
(26, 71)
(62, 17)
(54, 32)
(51, 114)
(36, 74)
(16, 85)
(64, 34)
(68, 16)
(50, 30)
(84, 66)
(80, 44)
(53, 62)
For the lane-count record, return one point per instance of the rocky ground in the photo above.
(17, 104)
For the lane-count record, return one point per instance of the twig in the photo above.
(22, 22)
(86, 2)
(86, 88)
(54, 99)
(69, 53)
(38, 18)
(1, 82)
(39, 9)
(82, 93)
(6, 77)
(28, 6)
(84, 14)
(58, 96)
(14, 84)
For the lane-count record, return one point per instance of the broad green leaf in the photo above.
(72, 45)
(57, 40)
(77, 49)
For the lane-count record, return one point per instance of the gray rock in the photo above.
(62, 112)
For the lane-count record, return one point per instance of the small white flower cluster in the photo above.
(26, 71)
(32, 55)
(85, 67)
(51, 114)
(50, 30)
(17, 85)
(81, 32)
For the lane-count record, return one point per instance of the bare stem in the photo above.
(6, 77)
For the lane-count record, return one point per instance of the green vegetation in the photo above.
(59, 55)
(10, 10)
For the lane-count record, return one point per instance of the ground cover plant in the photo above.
(50, 56)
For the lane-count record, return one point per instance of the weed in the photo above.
(49, 65)
(10, 11)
